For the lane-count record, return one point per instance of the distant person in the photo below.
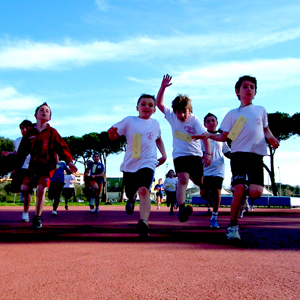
(248, 146)
(94, 176)
(159, 188)
(22, 173)
(187, 153)
(57, 183)
(170, 186)
(43, 143)
(143, 136)
(214, 174)
(69, 189)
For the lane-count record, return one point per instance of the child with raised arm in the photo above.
(248, 146)
(213, 175)
(143, 136)
(187, 153)
(43, 143)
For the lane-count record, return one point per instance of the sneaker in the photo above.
(97, 209)
(233, 233)
(67, 207)
(214, 223)
(176, 206)
(158, 207)
(252, 207)
(184, 213)
(54, 213)
(241, 214)
(25, 217)
(92, 202)
(129, 207)
(143, 228)
(36, 222)
(92, 210)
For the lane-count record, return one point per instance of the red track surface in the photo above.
(78, 255)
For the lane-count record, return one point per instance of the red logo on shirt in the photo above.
(190, 130)
(150, 136)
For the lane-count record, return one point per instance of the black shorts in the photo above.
(55, 189)
(17, 180)
(68, 192)
(133, 181)
(212, 183)
(190, 164)
(247, 168)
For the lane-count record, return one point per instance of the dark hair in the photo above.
(210, 115)
(182, 102)
(244, 78)
(146, 96)
(26, 123)
(45, 103)
(168, 174)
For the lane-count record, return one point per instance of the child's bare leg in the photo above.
(237, 201)
(217, 201)
(183, 180)
(145, 203)
(27, 197)
(255, 191)
(40, 199)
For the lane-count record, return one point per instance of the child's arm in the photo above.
(207, 154)
(72, 167)
(160, 95)
(113, 133)
(213, 136)
(271, 138)
(161, 148)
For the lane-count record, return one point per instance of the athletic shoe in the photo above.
(143, 228)
(233, 233)
(176, 206)
(92, 202)
(241, 214)
(214, 223)
(25, 217)
(92, 210)
(130, 206)
(252, 207)
(184, 213)
(54, 213)
(67, 207)
(36, 222)
(97, 209)
(158, 207)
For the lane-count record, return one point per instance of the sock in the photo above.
(214, 214)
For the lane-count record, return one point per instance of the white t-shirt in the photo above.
(192, 126)
(217, 166)
(170, 184)
(27, 160)
(252, 137)
(69, 178)
(150, 131)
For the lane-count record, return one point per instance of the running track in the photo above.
(78, 255)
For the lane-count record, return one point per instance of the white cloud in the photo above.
(102, 5)
(27, 54)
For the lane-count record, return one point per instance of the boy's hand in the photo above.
(206, 160)
(72, 167)
(274, 142)
(166, 81)
(113, 133)
(204, 136)
(160, 161)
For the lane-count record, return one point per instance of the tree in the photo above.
(6, 162)
(281, 125)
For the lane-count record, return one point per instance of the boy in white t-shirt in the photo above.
(187, 153)
(248, 149)
(213, 175)
(143, 137)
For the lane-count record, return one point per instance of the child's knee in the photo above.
(143, 191)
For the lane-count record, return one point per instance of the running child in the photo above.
(170, 185)
(43, 143)
(248, 146)
(94, 178)
(143, 137)
(159, 188)
(213, 175)
(187, 153)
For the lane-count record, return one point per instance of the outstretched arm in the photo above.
(160, 95)
(271, 138)
(113, 133)
(216, 137)
(161, 148)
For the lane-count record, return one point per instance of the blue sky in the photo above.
(91, 60)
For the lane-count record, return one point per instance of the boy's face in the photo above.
(182, 115)
(24, 130)
(43, 113)
(96, 158)
(171, 174)
(146, 108)
(211, 123)
(247, 91)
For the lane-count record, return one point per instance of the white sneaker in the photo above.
(25, 217)
(92, 210)
(54, 212)
(233, 233)
(92, 202)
